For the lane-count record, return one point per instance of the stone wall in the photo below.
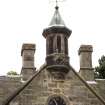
(47, 85)
(8, 85)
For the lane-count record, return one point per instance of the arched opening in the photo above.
(50, 49)
(56, 101)
(66, 45)
(59, 44)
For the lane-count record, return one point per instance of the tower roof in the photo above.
(56, 19)
(56, 25)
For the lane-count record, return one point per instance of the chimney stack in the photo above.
(86, 69)
(27, 54)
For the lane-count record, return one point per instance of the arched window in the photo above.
(50, 49)
(59, 44)
(66, 45)
(56, 101)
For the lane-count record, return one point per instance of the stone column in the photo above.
(86, 69)
(27, 54)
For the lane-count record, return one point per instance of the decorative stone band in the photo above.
(57, 59)
(56, 29)
(57, 62)
(86, 68)
(85, 48)
(28, 58)
(29, 68)
(28, 47)
(25, 69)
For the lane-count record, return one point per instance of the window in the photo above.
(50, 49)
(56, 101)
(59, 44)
(66, 45)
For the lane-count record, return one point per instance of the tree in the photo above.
(12, 73)
(100, 70)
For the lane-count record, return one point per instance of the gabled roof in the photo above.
(19, 90)
(57, 19)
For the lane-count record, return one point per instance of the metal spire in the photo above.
(56, 19)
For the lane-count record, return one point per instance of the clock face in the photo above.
(56, 101)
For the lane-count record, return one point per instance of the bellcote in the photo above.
(57, 35)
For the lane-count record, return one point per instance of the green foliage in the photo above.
(12, 73)
(100, 70)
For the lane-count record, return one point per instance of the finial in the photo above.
(57, 20)
(56, 7)
(56, 4)
(56, 1)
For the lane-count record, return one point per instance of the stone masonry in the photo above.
(47, 85)
(56, 82)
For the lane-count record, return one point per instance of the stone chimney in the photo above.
(86, 69)
(27, 54)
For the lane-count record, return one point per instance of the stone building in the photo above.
(56, 82)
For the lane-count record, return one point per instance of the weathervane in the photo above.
(57, 2)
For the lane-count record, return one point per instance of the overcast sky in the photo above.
(22, 21)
